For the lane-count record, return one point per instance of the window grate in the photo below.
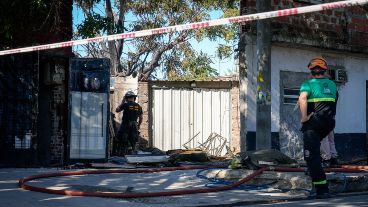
(291, 96)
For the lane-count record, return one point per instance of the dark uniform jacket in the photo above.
(131, 111)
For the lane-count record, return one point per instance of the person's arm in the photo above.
(140, 120)
(303, 105)
(120, 107)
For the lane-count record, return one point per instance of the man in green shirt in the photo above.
(317, 102)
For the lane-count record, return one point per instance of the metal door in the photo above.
(291, 141)
(88, 109)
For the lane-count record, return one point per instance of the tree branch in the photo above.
(158, 53)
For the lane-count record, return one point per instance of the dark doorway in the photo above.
(366, 116)
(18, 109)
(291, 142)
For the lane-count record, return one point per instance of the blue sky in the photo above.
(224, 67)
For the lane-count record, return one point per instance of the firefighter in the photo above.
(127, 136)
(317, 102)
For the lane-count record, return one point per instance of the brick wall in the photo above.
(58, 111)
(144, 97)
(235, 118)
(343, 28)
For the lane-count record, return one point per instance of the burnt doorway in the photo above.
(291, 141)
(18, 109)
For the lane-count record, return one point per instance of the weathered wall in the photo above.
(120, 87)
(58, 110)
(351, 109)
(342, 29)
(144, 99)
(341, 36)
(33, 25)
(235, 119)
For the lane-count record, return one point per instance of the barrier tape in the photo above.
(189, 26)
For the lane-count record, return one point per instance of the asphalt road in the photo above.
(337, 201)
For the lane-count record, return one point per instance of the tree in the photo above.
(35, 22)
(173, 52)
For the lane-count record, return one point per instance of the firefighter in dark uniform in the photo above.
(317, 101)
(127, 136)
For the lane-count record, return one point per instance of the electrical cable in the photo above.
(215, 182)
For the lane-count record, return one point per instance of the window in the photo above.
(291, 96)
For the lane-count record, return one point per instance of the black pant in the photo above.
(314, 130)
(127, 137)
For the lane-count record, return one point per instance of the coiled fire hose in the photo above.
(23, 182)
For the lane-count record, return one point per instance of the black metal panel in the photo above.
(18, 108)
(88, 75)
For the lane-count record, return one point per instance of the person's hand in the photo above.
(306, 118)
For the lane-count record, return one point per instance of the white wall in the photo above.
(351, 108)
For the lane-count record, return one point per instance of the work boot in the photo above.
(322, 191)
(333, 161)
(323, 196)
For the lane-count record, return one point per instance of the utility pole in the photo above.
(243, 91)
(243, 49)
(264, 34)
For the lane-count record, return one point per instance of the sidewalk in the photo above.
(12, 196)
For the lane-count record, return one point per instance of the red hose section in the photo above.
(356, 167)
(24, 186)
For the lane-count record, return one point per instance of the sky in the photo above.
(224, 67)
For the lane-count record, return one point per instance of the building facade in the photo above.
(33, 86)
(340, 36)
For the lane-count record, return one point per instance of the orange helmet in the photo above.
(318, 62)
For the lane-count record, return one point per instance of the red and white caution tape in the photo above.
(196, 25)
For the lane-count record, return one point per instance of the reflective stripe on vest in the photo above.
(321, 99)
(320, 182)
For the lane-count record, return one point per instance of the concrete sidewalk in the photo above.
(12, 196)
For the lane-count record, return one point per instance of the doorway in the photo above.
(291, 141)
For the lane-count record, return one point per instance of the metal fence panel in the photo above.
(181, 114)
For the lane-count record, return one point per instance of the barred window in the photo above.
(291, 95)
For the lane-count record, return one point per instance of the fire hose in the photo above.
(23, 182)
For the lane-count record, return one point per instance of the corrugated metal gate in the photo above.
(180, 114)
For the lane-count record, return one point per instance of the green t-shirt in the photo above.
(322, 96)
(319, 89)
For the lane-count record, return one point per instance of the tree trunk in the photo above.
(115, 47)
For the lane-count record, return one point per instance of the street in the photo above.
(12, 196)
(339, 201)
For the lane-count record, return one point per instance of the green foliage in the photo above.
(191, 67)
(22, 21)
(172, 53)
(224, 51)
(93, 25)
